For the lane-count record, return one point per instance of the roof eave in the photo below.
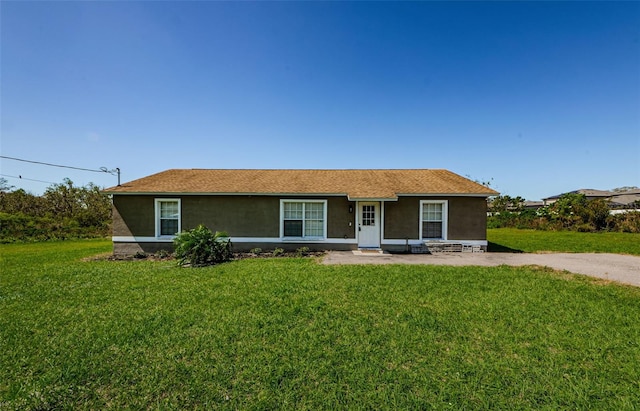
(205, 193)
(495, 193)
(354, 198)
(350, 197)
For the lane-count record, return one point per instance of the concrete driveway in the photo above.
(615, 267)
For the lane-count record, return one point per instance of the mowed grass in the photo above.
(530, 241)
(294, 334)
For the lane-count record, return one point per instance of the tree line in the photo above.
(570, 212)
(63, 211)
(69, 211)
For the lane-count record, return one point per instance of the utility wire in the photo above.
(28, 179)
(102, 170)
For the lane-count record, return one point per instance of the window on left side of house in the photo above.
(303, 219)
(168, 214)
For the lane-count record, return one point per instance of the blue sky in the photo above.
(537, 97)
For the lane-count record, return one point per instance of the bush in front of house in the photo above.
(200, 247)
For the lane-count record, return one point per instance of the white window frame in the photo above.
(303, 238)
(158, 201)
(445, 217)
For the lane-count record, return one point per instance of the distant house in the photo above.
(620, 200)
(625, 199)
(532, 205)
(319, 209)
(589, 193)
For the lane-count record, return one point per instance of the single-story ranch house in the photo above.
(320, 209)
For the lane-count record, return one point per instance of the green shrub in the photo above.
(572, 212)
(64, 211)
(201, 247)
(21, 227)
(256, 250)
(628, 222)
(162, 254)
(278, 251)
(302, 251)
(140, 255)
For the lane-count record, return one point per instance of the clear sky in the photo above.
(537, 97)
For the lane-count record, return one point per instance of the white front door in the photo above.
(369, 224)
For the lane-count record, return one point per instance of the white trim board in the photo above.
(134, 239)
(177, 194)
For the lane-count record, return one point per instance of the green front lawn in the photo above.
(293, 334)
(530, 241)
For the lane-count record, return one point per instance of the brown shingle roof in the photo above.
(357, 184)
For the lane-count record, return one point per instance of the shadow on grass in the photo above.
(499, 248)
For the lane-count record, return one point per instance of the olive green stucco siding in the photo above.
(467, 219)
(401, 218)
(339, 217)
(258, 217)
(240, 216)
(252, 216)
(134, 216)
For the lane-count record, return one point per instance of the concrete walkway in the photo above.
(615, 267)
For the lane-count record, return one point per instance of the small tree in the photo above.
(569, 210)
(5, 187)
(506, 203)
(597, 214)
(201, 247)
(575, 212)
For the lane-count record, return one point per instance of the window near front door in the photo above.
(303, 219)
(433, 222)
(167, 217)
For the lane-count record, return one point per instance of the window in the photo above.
(433, 220)
(167, 217)
(369, 215)
(303, 219)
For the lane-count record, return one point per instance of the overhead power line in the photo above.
(54, 165)
(28, 179)
(115, 171)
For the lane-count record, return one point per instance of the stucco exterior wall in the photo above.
(401, 218)
(259, 217)
(240, 216)
(339, 217)
(133, 216)
(467, 218)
